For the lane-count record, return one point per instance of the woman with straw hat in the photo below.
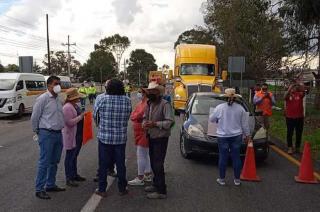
(71, 119)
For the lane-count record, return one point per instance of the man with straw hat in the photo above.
(233, 125)
(158, 120)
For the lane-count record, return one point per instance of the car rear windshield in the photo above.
(7, 84)
(202, 104)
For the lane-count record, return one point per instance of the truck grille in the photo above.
(2, 102)
(198, 88)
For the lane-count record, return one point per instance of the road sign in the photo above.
(26, 64)
(236, 64)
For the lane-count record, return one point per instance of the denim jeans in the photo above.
(50, 144)
(227, 145)
(157, 152)
(70, 164)
(107, 154)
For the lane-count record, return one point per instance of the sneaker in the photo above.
(79, 178)
(156, 195)
(136, 182)
(72, 183)
(221, 182)
(123, 193)
(150, 189)
(147, 178)
(237, 182)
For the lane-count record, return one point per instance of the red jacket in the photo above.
(137, 118)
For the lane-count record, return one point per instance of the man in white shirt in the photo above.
(232, 120)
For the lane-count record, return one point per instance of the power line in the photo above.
(68, 44)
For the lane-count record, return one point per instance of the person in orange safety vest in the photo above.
(264, 100)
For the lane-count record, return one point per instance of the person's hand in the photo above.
(149, 124)
(81, 116)
(248, 139)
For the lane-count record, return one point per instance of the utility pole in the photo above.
(48, 46)
(69, 53)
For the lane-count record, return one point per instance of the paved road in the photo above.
(191, 183)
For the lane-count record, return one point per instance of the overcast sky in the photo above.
(150, 24)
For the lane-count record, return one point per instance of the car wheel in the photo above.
(176, 112)
(21, 110)
(184, 153)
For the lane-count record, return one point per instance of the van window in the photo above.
(35, 85)
(19, 85)
(66, 85)
(7, 84)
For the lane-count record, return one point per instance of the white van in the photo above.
(18, 92)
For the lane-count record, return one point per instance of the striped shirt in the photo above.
(113, 113)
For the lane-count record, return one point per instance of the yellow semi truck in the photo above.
(195, 70)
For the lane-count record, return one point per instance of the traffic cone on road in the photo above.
(249, 172)
(306, 167)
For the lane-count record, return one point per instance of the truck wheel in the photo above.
(21, 110)
(176, 112)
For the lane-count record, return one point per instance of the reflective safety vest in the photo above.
(127, 89)
(91, 90)
(83, 90)
(266, 105)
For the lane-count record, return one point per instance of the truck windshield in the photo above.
(197, 69)
(7, 84)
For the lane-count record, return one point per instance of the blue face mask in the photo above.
(139, 96)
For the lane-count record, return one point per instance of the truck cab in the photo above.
(196, 70)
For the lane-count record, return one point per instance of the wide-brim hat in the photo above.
(155, 86)
(72, 94)
(230, 92)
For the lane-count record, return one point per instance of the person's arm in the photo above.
(287, 93)
(273, 100)
(96, 110)
(37, 112)
(245, 123)
(168, 118)
(215, 116)
(257, 100)
(69, 120)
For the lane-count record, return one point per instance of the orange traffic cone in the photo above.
(249, 172)
(306, 167)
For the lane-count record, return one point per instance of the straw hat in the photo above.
(230, 92)
(72, 94)
(155, 86)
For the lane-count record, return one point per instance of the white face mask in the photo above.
(57, 89)
(139, 96)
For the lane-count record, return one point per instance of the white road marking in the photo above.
(95, 199)
(1, 146)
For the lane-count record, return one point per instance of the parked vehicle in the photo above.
(194, 138)
(18, 92)
(196, 70)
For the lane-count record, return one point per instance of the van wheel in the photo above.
(183, 150)
(21, 110)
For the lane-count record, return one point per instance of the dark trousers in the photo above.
(106, 154)
(70, 164)
(297, 125)
(157, 151)
(77, 151)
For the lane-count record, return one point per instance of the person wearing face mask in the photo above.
(141, 142)
(158, 121)
(294, 114)
(47, 121)
(69, 135)
(233, 125)
(264, 100)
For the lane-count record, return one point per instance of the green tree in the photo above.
(116, 44)
(37, 69)
(12, 68)
(59, 64)
(99, 67)
(302, 24)
(195, 36)
(2, 69)
(245, 28)
(140, 64)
